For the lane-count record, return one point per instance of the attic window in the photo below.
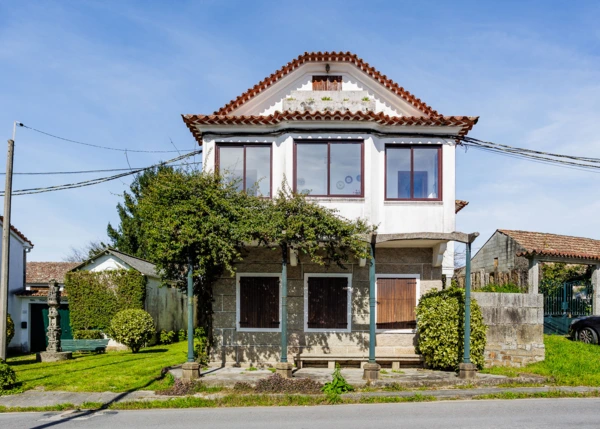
(327, 83)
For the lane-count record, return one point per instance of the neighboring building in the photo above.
(166, 305)
(336, 128)
(513, 256)
(19, 247)
(32, 302)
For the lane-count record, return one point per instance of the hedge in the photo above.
(440, 323)
(95, 297)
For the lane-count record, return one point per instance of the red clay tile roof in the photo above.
(16, 231)
(43, 272)
(465, 122)
(543, 244)
(459, 205)
(307, 57)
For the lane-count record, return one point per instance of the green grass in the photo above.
(111, 371)
(568, 363)
(552, 394)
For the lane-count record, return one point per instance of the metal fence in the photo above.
(567, 299)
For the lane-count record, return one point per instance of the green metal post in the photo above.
(284, 312)
(190, 296)
(372, 302)
(467, 346)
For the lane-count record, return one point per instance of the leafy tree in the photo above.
(127, 237)
(560, 272)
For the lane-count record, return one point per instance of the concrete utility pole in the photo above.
(6, 246)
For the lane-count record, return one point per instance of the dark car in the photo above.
(585, 329)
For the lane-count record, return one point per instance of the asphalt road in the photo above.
(527, 413)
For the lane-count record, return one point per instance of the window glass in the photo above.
(345, 169)
(258, 170)
(231, 164)
(311, 168)
(398, 172)
(425, 179)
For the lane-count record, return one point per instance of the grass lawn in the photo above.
(111, 371)
(570, 363)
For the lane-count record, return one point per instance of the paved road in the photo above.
(527, 413)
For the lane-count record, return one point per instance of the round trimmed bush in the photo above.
(10, 329)
(132, 327)
(440, 323)
(7, 376)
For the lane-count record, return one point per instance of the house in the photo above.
(20, 246)
(510, 256)
(166, 305)
(334, 127)
(33, 308)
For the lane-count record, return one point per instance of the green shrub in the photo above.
(8, 378)
(505, 288)
(132, 327)
(440, 322)
(95, 297)
(88, 334)
(167, 337)
(10, 329)
(200, 347)
(182, 335)
(338, 384)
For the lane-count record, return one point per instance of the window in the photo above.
(413, 173)
(327, 302)
(258, 302)
(247, 165)
(396, 302)
(327, 83)
(329, 169)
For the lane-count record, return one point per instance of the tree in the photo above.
(85, 252)
(127, 237)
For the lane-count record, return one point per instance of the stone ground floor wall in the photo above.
(234, 347)
(515, 328)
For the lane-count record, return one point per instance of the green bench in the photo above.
(84, 345)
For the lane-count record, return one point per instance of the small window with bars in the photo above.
(327, 83)
(396, 302)
(327, 303)
(258, 300)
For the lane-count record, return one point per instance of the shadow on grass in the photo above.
(152, 351)
(119, 397)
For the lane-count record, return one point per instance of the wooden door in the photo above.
(396, 301)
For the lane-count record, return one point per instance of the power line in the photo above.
(97, 180)
(109, 170)
(95, 145)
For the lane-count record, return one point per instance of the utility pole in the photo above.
(4, 267)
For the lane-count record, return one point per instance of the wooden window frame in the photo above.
(412, 170)
(220, 145)
(238, 276)
(349, 301)
(329, 142)
(330, 79)
(417, 278)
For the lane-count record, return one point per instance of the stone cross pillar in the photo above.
(54, 351)
(534, 276)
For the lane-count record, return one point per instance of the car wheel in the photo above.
(588, 336)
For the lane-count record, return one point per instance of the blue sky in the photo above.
(121, 73)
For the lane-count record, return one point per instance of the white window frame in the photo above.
(349, 301)
(238, 276)
(417, 277)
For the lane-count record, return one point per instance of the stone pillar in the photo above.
(534, 276)
(190, 371)
(54, 351)
(596, 289)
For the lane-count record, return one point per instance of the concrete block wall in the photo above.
(515, 328)
(233, 347)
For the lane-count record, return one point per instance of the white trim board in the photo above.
(349, 314)
(237, 302)
(417, 277)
